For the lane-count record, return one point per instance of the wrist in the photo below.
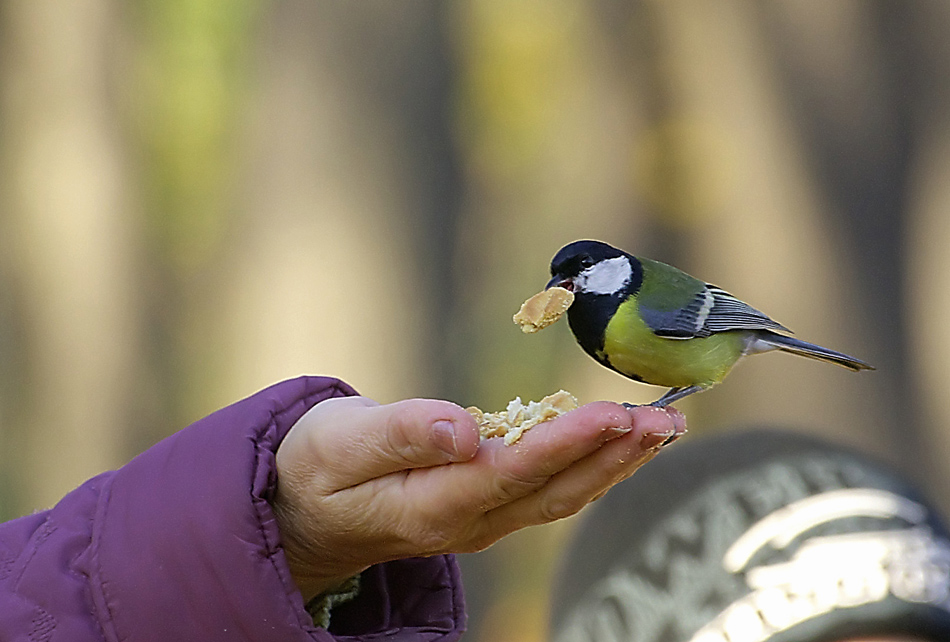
(313, 571)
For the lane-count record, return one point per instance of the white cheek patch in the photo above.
(607, 277)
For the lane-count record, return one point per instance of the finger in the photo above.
(350, 441)
(562, 446)
(500, 474)
(572, 489)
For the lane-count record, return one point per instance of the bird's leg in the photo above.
(671, 395)
(675, 394)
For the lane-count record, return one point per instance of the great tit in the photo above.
(656, 324)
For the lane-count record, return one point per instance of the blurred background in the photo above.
(199, 198)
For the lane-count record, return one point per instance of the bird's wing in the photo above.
(710, 310)
(729, 313)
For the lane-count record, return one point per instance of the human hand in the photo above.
(361, 483)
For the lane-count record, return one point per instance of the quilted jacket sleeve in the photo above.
(181, 544)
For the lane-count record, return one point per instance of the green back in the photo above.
(667, 288)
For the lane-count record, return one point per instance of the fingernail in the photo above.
(617, 431)
(654, 439)
(444, 436)
(676, 435)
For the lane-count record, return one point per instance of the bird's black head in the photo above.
(601, 277)
(592, 267)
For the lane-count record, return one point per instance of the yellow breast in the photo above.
(634, 350)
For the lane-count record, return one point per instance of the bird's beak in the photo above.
(567, 284)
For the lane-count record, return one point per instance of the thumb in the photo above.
(347, 441)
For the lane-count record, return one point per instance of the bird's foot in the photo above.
(675, 394)
(659, 403)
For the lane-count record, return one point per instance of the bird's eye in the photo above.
(586, 261)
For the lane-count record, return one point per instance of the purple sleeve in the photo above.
(181, 544)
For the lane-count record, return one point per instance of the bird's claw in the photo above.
(654, 404)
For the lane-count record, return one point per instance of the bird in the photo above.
(656, 324)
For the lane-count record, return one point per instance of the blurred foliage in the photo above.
(192, 62)
(516, 62)
(198, 198)
(686, 170)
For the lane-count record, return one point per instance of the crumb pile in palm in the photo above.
(512, 422)
(543, 309)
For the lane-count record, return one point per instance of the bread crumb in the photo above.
(543, 309)
(514, 420)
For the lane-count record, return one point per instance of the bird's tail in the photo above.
(765, 341)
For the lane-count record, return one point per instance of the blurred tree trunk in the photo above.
(848, 79)
(68, 249)
(352, 197)
(187, 78)
(925, 241)
(865, 88)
